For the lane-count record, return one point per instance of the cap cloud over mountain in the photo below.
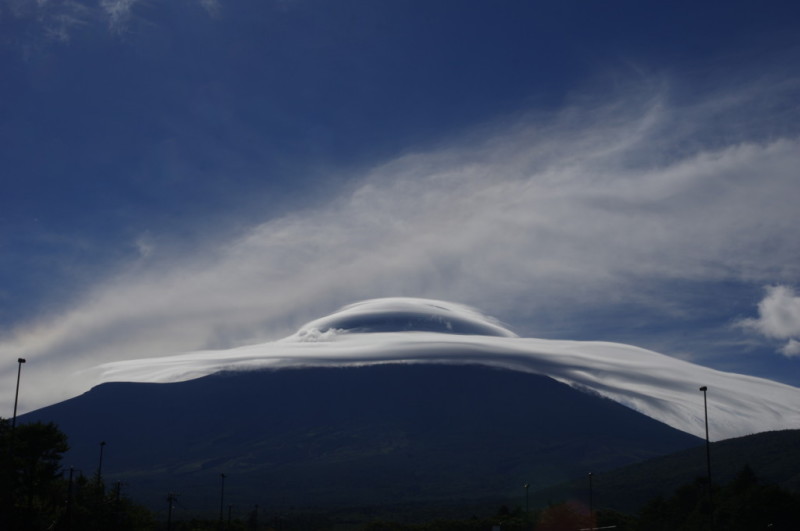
(406, 330)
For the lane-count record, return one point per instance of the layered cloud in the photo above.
(402, 330)
(525, 216)
(778, 318)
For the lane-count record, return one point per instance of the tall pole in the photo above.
(704, 389)
(527, 505)
(170, 500)
(591, 502)
(221, 499)
(100, 464)
(20, 361)
(70, 500)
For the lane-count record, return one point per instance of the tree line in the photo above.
(39, 494)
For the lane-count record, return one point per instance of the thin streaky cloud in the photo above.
(60, 20)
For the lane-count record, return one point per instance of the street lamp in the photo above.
(221, 498)
(704, 389)
(20, 361)
(527, 505)
(591, 501)
(170, 500)
(100, 464)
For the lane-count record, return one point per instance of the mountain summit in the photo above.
(408, 330)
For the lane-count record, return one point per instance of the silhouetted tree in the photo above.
(36, 496)
(31, 462)
(743, 505)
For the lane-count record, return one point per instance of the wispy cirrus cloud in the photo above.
(59, 20)
(212, 6)
(524, 216)
(117, 11)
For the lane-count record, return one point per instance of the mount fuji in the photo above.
(398, 400)
(407, 330)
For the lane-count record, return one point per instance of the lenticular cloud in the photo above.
(402, 330)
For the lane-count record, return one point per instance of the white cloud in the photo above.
(791, 349)
(398, 330)
(779, 313)
(778, 318)
(568, 210)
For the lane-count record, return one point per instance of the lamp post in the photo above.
(221, 499)
(527, 505)
(591, 502)
(170, 501)
(100, 463)
(70, 500)
(20, 361)
(704, 389)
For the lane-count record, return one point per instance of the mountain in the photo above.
(404, 330)
(370, 435)
(398, 401)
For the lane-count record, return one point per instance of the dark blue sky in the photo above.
(150, 143)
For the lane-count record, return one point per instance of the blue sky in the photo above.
(192, 174)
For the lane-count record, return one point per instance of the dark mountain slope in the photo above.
(773, 456)
(368, 435)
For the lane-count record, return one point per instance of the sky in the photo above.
(207, 174)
